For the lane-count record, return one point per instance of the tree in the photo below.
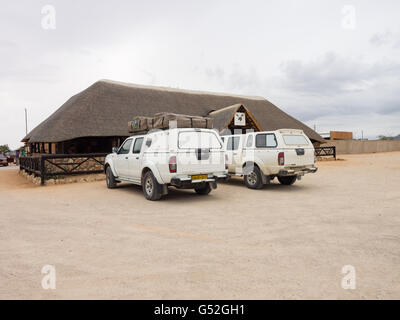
(4, 148)
(385, 138)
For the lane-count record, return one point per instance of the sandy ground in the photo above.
(279, 242)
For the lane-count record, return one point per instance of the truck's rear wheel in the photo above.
(204, 190)
(287, 181)
(253, 178)
(151, 188)
(110, 179)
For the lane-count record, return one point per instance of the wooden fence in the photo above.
(325, 152)
(52, 166)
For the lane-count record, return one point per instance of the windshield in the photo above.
(198, 139)
(295, 140)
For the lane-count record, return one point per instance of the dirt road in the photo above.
(279, 242)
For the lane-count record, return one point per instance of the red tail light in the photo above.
(281, 159)
(226, 162)
(172, 164)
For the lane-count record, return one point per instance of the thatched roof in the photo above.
(104, 109)
(223, 117)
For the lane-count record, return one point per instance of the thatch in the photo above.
(225, 116)
(104, 109)
(222, 116)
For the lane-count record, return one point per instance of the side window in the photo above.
(125, 147)
(249, 142)
(138, 145)
(266, 140)
(233, 143)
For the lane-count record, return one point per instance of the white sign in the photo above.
(240, 119)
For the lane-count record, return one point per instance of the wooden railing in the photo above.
(54, 165)
(325, 152)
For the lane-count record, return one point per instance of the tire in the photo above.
(204, 190)
(152, 190)
(253, 178)
(110, 179)
(287, 181)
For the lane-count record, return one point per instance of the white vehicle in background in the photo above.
(287, 154)
(184, 158)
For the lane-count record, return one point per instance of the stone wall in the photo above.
(55, 166)
(363, 146)
(69, 163)
(65, 179)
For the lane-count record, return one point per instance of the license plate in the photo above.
(199, 177)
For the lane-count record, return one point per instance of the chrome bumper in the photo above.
(189, 183)
(297, 172)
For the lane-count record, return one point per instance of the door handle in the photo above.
(126, 158)
(137, 158)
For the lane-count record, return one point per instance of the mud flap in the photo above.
(164, 190)
(265, 179)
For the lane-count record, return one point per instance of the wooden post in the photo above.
(42, 171)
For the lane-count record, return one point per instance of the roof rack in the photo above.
(139, 133)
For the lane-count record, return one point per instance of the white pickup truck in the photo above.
(183, 158)
(287, 154)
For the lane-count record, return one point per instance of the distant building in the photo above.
(337, 135)
(96, 119)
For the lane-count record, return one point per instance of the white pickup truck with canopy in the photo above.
(287, 154)
(180, 157)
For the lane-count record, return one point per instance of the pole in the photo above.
(26, 122)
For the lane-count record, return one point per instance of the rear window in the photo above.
(266, 140)
(295, 139)
(198, 139)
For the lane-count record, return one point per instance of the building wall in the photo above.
(364, 146)
(341, 135)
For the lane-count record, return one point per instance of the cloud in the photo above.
(386, 38)
(332, 91)
(332, 74)
(236, 78)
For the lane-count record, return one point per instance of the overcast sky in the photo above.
(320, 61)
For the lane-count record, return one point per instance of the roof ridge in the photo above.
(200, 92)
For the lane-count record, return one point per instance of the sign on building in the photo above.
(240, 119)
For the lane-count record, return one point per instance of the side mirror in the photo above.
(114, 150)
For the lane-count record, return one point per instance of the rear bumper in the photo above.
(297, 172)
(187, 183)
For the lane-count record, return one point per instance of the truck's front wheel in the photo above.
(110, 179)
(287, 181)
(253, 178)
(151, 188)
